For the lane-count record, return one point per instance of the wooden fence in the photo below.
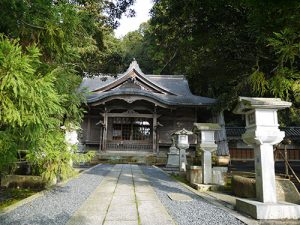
(248, 154)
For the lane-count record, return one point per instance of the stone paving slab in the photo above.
(146, 196)
(125, 197)
(151, 210)
(122, 213)
(93, 210)
(122, 199)
(121, 223)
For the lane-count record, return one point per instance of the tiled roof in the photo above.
(236, 132)
(187, 100)
(176, 85)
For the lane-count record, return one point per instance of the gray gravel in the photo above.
(58, 204)
(197, 211)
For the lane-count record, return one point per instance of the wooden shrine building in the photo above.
(138, 112)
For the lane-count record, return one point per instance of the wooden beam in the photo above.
(138, 115)
(131, 99)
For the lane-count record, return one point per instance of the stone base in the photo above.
(219, 175)
(268, 211)
(22, 181)
(173, 160)
(205, 187)
(194, 174)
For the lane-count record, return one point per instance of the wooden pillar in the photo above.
(157, 141)
(105, 127)
(154, 138)
(101, 138)
(88, 128)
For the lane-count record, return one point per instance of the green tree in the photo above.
(44, 52)
(29, 103)
(228, 48)
(283, 80)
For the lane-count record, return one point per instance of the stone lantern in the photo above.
(262, 133)
(206, 142)
(173, 155)
(182, 143)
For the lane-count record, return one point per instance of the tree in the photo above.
(44, 52)
(283, 80)
(228, 48)
(29, 104)
(140, 45)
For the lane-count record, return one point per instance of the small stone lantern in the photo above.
(182, 143)
(173, 155)
(262, 133)
(206, 143)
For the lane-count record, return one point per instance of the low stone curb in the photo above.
(21, 202)
(37, 195)
(224, 206)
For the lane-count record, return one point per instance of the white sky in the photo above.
(142, 8)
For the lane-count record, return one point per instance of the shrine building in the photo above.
(138, 112)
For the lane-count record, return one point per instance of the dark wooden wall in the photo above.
(171, 120)
(174, 120)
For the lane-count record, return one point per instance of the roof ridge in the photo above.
(165, 75)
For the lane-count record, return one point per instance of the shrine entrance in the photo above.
(129, 133)
(129, 126)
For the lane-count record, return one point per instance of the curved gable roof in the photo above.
(167, 89)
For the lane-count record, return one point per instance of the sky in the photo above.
(141, 8)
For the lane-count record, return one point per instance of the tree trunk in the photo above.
(220, 136)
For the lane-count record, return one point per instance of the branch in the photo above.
(34, 26)
(170, 60)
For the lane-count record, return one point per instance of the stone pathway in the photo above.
(56, 206)
(126, 197)
(195, 210)
(120, 194)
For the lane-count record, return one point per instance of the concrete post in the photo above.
(265, 173)
(206, 167)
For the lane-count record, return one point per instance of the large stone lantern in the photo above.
(182, 143)
(206, 143)
(262, 133)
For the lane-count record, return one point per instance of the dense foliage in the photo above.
(226, 48)
(45, 46)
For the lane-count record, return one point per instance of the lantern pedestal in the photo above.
(267, 211)
(206, 167)
(182, 160)
(173, 157)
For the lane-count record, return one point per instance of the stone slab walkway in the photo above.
(56, 206)
(125, 196)
(119, 194)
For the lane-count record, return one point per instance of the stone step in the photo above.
(129, 158)
(171, 170)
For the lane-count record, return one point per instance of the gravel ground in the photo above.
(58, 204)
(197, 211)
